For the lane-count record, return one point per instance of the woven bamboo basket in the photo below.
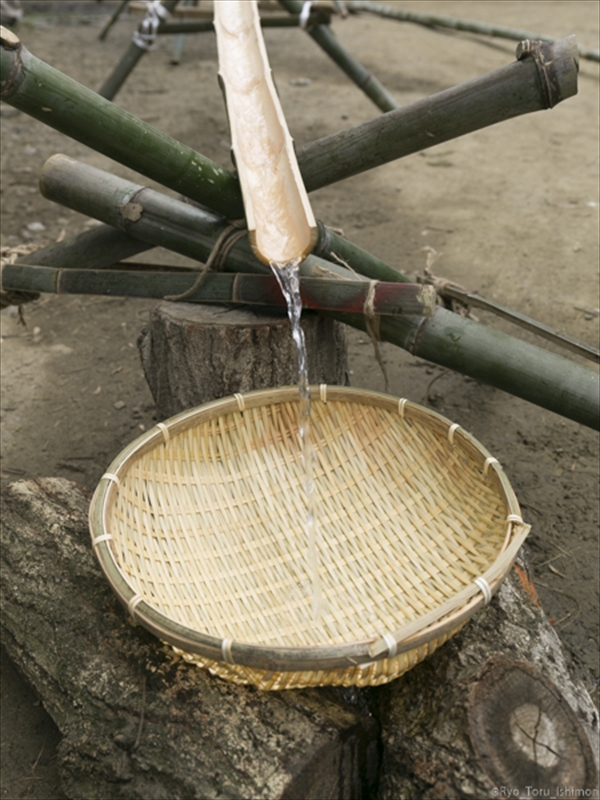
(199, 526)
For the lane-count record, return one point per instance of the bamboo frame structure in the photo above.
(32, 86)
(448, 339)
(142, 217)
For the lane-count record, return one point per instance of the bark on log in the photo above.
(137, 721)
(494, 713)
(140, 723)
(192, 354)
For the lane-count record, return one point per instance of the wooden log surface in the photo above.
(192, 354)
(140, 723)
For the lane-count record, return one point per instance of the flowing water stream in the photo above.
(288, 276)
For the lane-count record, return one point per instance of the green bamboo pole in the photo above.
(206, 25)
(32, 86)
(111, 21)
(46, 94)
(128, 61)
(324, 37)
(541, 78)
(470, 26)
(448, 339)
(318, 294)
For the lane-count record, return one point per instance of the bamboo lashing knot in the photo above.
(451, 431)
(485, 589)
(488, 463)
(305, 14)
(226, 645)
(133, 604)
(145, 36)
(104, 538)
(323, 393)
(228, 237)
(110, 476)
(239, 398)
(372, 326)
(164, 430)
(401, 406)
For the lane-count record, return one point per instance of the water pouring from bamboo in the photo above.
(281, 226)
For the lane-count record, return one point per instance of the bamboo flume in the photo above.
(455, 23)
(32, 86)
(448, 339)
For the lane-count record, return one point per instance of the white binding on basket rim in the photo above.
(133, 603)
(451, 431)
(490, 460)
(241, 403)
(226, 646)
(323, 393)
(164, 430)
(110, 476)
(402, 406)
(104, 538)
(485, 590)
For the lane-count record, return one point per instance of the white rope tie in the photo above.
(401, 406)
(164, 430)
(226, 645)
(305, 14)
(323, 392)
(111, 477)
(145, 36)
(485, 590)
(133, 604)
(241, 406)
(392, 644)
(104, 538)
(515, 518)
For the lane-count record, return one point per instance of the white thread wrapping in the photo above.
(145, 36)
(488, 463)
(515, 518)
(104, 538)
(241, 406)
(401, 406)
(451, 431)
(323, 392)
(164, 430)
(305, 14)
(133, 604)
(226, 651)
(392, 644)
(111, 477)
(485, 589)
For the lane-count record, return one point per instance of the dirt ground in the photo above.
(512, 210)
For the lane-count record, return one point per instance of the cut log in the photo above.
(192, 354)
(137, 721)
(494, 713)
(140, 723)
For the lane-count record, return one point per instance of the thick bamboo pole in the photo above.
(324, 37)
(44, 93)
(29, 84)
(468, 25)
(448, 339)
(319, 294)
(206, 25)
(542, 77)
(130, 57)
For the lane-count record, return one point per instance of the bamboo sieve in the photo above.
(199, 526)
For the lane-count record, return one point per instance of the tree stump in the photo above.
(491, 713)
(192, 354)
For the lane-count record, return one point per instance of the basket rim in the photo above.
(356, 653)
